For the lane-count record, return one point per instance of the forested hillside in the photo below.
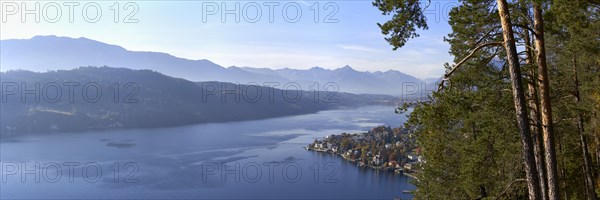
(528, 128)
(89, 98)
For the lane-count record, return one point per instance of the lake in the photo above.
(262, 159)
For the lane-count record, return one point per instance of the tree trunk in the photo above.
(589, 180)
(546, 108)
(597, 138)
(519, 100)
(559, 143)
(536, 126)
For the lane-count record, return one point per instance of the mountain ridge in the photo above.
(65, 53)
(146, 99)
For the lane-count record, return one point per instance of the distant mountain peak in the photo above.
(52, 41)
(55, 37)
(317, 68)
(391, 71)
(346, 68)
(47, 36)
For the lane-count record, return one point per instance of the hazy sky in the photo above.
(345, 32)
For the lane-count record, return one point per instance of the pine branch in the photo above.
(508, 187)
(464, 60)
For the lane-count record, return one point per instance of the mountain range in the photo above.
(90, 98)
(42, 53)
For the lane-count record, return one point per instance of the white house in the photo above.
(408, 166)
(377, 159)
(412, 157)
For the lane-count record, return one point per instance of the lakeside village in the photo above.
(381, 148)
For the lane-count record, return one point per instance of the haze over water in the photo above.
(262, 159)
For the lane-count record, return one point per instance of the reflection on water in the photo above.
(251, 159)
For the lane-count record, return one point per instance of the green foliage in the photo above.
(466, 138)
(467, 132)
(575, 37)
(407, 17)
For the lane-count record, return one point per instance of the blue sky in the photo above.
(197, 30)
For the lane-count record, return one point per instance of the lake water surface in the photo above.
(261, 159)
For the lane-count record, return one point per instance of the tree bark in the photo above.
(546, 108)
(559, 143)
(519, 100)
(587, 167)
(536, 126)
(597, 138)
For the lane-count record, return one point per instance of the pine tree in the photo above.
(467, 129)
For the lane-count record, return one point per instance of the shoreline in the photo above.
(378, 168)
